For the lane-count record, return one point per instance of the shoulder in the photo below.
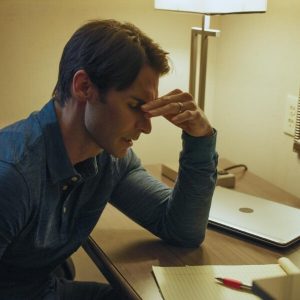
(14, 201)
(120, 166)
(18, 139)
(12, 182)
(129, 162)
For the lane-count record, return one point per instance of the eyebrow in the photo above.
(139, 100)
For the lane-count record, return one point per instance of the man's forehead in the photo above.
(143, 96)
(145, 87)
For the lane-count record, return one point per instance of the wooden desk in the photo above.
(125, 252)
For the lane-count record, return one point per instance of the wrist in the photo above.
(203, 132)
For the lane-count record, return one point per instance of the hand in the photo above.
(181, 110)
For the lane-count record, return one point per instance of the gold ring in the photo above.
(180, 107)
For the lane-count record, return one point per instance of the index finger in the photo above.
(171, 97)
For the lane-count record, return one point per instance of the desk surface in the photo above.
(128, 251)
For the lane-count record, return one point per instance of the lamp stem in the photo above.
(193, 61)
(203, 61)
(205, 32)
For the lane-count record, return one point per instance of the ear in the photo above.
(82, 87)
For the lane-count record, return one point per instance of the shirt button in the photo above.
(65, 187)
(74, 179)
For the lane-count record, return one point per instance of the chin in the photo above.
(119, 154)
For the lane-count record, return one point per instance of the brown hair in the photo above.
(111, 53)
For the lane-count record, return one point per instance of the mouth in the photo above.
(129, 141)
(135, 138)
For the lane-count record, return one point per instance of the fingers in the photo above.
(174, 92)
(186, 115)
(174, 103)
(167, 109)
(180, 109)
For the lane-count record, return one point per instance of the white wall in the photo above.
(258, 65)
(252, 67)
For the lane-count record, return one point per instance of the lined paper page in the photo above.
(198, 282)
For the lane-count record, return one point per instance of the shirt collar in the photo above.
(59, 165)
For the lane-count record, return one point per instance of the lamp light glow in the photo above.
(213, 6)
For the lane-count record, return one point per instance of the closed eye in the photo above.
(135, 106)
(136, 103)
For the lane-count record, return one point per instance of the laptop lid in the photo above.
(254, 217)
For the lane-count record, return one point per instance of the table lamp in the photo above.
(207, 8)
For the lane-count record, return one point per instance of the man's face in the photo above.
(114, 122)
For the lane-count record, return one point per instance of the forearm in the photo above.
(188, 207)
(176, 215)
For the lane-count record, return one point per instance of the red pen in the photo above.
(233, 283)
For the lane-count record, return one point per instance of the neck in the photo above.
(78, 144)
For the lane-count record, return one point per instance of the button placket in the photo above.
(69, 188)
(65, 188)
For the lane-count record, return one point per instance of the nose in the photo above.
(144, 125)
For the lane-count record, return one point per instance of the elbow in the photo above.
(194, 243)
(187, 242)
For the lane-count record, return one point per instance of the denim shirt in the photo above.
(48, 207)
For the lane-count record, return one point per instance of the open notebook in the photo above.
(255, 217)
(198, 282)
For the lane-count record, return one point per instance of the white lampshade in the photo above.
(213, 7)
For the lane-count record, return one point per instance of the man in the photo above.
(60, 166)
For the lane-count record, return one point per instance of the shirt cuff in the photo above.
(199, 149)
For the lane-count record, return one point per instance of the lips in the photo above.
(132, 138)
(128, 142)
(136, 137)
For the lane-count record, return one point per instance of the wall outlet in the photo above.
(290, 115)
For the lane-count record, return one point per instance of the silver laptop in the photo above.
(255, 217)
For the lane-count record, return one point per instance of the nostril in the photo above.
(146, 126)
